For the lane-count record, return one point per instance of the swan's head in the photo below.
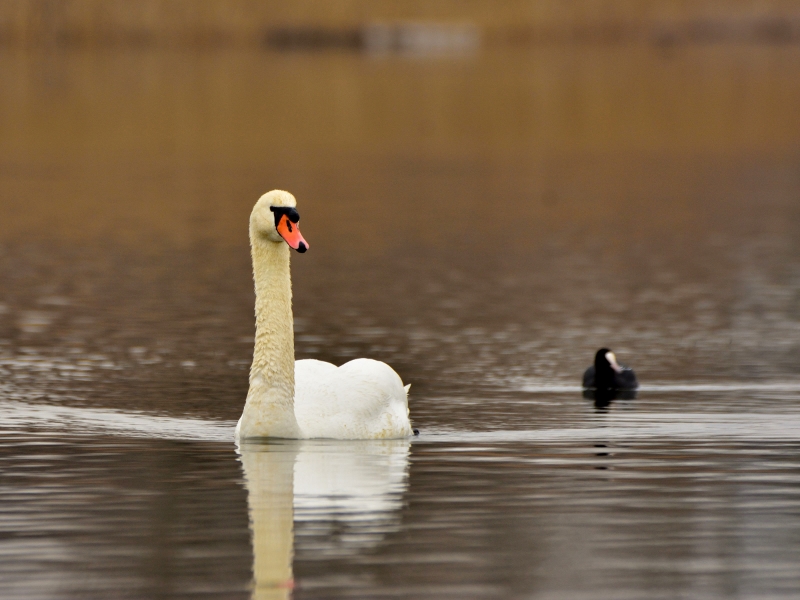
(275, 218)
(605, 359)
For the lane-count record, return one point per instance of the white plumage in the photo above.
(362, 399)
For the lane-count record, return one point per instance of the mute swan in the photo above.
(607, 374)
(362, 399)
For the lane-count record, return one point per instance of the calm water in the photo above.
(483, 224)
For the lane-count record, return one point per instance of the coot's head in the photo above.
(604, 360)
(606, 369)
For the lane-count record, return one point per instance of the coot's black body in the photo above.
(607, 374)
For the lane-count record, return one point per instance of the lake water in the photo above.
(483, 223)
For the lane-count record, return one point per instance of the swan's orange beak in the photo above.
(290, 232)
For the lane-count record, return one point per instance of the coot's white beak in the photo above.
(612, 360)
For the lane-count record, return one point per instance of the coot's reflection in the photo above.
(604, 398)
(355, 487)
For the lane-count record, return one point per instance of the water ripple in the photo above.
(69, 420)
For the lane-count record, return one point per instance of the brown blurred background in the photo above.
(220, 100)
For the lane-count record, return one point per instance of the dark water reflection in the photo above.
(483, 225)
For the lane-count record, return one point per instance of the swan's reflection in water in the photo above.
(351, 490)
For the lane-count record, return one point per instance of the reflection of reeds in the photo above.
(782, 29)
(413, 38)
(434, 26)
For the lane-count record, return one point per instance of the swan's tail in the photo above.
(408, 410)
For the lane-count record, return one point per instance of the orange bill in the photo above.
(291, 233)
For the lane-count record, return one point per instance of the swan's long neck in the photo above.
(269, 410)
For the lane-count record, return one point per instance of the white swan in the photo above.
(362, 399)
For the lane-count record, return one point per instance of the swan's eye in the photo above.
(289, 212)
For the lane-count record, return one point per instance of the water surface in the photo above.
(483, 224)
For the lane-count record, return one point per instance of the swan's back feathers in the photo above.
(362, 399)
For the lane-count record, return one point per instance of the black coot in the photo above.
(607, 374)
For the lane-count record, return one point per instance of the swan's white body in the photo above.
(362, 399)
